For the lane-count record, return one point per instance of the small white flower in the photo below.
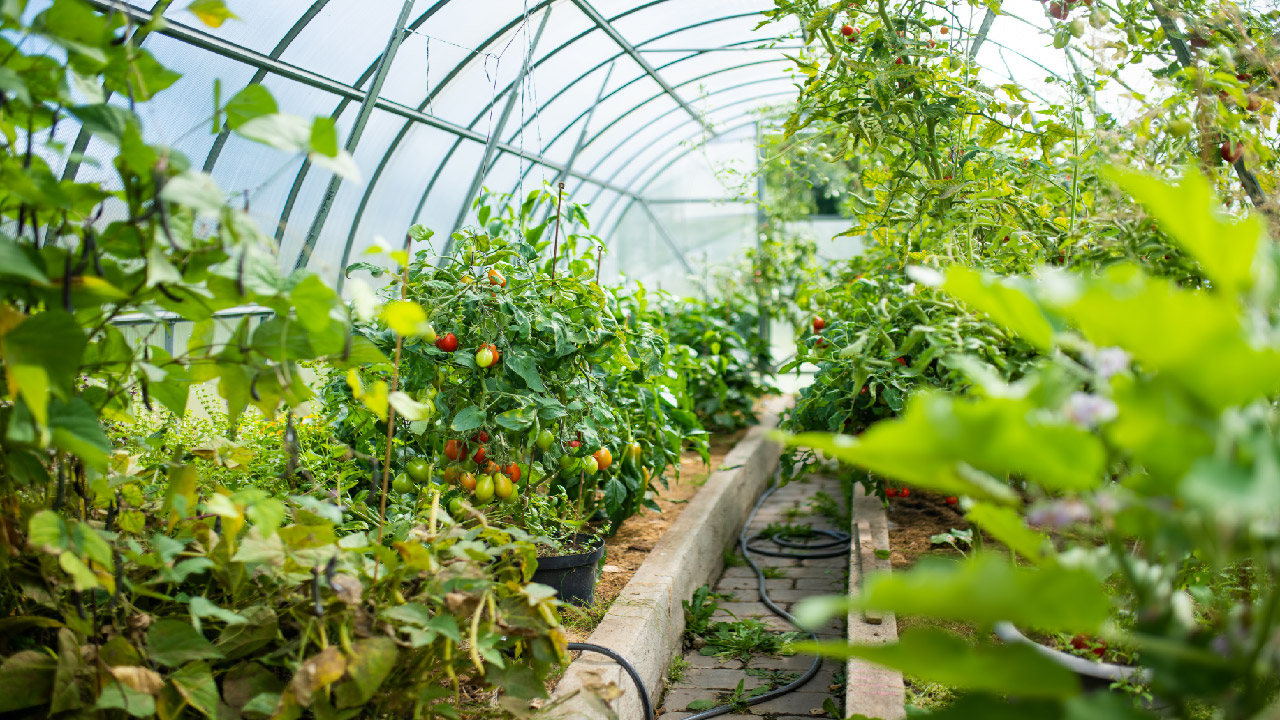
(1088, 411)
(1111, 361)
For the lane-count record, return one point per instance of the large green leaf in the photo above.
(1006, 525)
(173, 642)
(195, 683)
(251, 102)
(987, 589)
(938, 656)
(26, 680)
(1192, 336)
(42, 356)
(939, 435)
(468, 419)
(14, 262)
(368, 664)
(74, 427)
(1190, 213)
(1004, 302)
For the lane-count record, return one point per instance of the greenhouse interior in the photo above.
(639, 359)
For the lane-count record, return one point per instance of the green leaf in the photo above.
(527, 369)
(289, 133)
(202, 607)
(1004, 302)
(106, 121)
(520, 419)
(81, 576)
(74, 427)
(468, 419)
(197, 191)
(1006, 525)
(939, 436)
(324, 137)
(211, 12)
(14, 262)
(369, 664)
(938, 656)
(48, 532)
(1190, 213)
(196, 685)
(517, 680)
(118, 696)
(26, 680)
(253, 101)
(313, 302)
(406, 318)
(42, 355)
(173, 642)
(986, 589)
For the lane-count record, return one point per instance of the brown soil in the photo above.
(625, 551)
(915, 519)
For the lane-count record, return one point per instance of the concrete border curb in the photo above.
(646, 622)
(870, 689)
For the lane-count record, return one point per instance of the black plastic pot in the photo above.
(573, 576)
(1093, 675)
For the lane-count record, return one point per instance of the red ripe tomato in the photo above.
(944, 30)
(906, 492)
(575, 444)
(891, 492)
(494, 349)
(900, 61)
(932, 44)
(480, 437)
(513, 471)
(1058, 10)
(847, 31)
(952, 500)
(1231, 153)
(818, 323)
(448, 342)
(455, 450)
(902, 361)
(1255, 102)
(480, 456)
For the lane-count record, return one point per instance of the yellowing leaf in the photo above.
(318, 672)
(406, 318)
(211, 12)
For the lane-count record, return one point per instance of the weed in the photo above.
(955, 538)
(787, 531)
(676, 672)
(732, 558)
(745, 638)
(585, 619)
(774, 679)
(827, 506)
(737, 699)
(773, 573)
(795, 512)
(698, 611)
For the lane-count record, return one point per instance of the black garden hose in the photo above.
(836, 546)
(635, 676)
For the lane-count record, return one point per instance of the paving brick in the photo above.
(702, 679)
(678, 700)
(796, 703)
(832, 585)
(698, 660)
(739, 572)
(794, 663)
(827, 573)
(736, 583)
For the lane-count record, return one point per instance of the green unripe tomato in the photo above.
(591, 466)
(430, 335)
(544, 440)
(566, 462)
(502, 486)
(419, 470)
(457, 508)
(484, 489)
(402, 484)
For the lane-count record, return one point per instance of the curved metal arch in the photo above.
(624, 165)
(629, 111)
(567, 87)
(680, 154)
(345, 102)
(211, 159)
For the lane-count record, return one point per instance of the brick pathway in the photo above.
(708, 678)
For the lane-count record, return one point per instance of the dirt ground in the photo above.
(915, 519)
(625, 551)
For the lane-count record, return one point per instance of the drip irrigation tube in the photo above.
(836, 545)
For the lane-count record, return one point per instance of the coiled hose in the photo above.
(836, 545)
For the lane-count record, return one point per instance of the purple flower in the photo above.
(1111, 361)
(1059, 514)
(1088, 411)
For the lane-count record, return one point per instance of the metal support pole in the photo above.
(764, 361)
(353, 140)
(495, 134)
(582, 138)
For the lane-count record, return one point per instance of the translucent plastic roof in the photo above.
(646, 109)
(611, 96)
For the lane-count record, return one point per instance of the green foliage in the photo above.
(1146, 443)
